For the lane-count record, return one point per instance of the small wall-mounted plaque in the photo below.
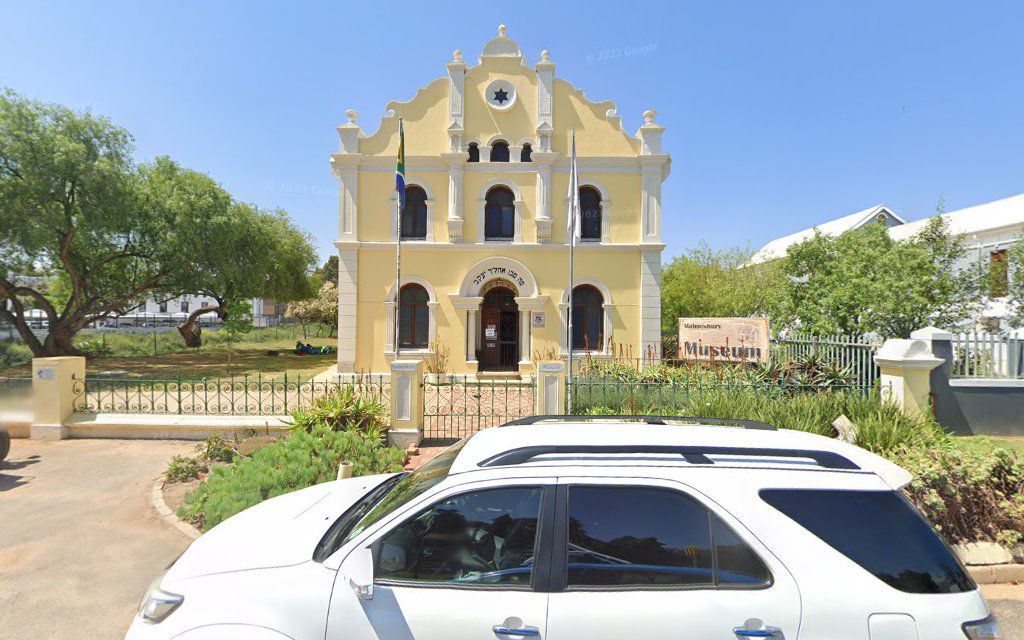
(403, 366)
(538, 319)
(45, 373)
(551, 367)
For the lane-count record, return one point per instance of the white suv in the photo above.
(590, 528)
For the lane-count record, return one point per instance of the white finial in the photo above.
(352, 115)
(457, 55)
(649, 116)
(502, 30)
(545, 55)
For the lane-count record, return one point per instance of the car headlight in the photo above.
(986, 629)
(157, 604)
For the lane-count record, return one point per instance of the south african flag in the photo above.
(400, 167)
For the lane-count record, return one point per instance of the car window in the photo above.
(620, 536)
(880, 531)
(485, 537)
(735, 562)
(410, 487)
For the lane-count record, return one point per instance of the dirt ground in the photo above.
(79, 541)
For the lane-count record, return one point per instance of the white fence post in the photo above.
(406, 403)
(53, 395)
(550, 394)
(906, 367)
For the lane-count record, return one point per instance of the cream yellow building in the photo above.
(484, 240)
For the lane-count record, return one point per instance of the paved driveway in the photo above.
(79, 542)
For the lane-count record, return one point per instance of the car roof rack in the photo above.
(649, 419)
(697, 454)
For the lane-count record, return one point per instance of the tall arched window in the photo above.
(499, 214)
(414, 216)
(499, 151)
(587, 318)
(474, 152)
(590, 213)
(414, 318)
(526, 155)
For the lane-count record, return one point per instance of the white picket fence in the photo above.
(987, 355)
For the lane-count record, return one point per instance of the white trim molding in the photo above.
(650, 305)
(348, 287)
(606, 205)
(423, 184)
(608, 306)
(494, 268)
(389, 305)
(517, 236)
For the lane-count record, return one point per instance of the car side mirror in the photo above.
(358, 572)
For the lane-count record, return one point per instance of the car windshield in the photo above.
(409, 488)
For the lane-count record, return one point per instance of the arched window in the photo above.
(590, 213)
(526, 154)
(474, 152)
(587, 318)
(414, 216)
(499, 214)
(414, 318)
(499, 151)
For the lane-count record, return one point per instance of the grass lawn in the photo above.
(987, 443)
(215, 359)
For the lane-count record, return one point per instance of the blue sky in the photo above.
(779, 115)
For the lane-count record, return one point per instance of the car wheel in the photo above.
(5, 443)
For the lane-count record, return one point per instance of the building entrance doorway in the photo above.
(499, 330)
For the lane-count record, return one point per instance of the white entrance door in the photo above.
(647, 559)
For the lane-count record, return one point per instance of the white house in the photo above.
(989, 230)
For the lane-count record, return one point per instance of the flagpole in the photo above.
(573, 196)
(398, 244)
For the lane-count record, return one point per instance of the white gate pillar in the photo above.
(406, 403)
(906, 366)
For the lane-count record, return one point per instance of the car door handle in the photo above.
(767, 632)
(516, 631)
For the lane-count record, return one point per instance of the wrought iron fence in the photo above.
(987, 355)
(247, 395)
(457, 406)
(696, 398)
(854, 353)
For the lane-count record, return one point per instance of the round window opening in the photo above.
(500, 94)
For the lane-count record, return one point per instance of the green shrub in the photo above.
(13, 354)
(216, 448)
(183, 469)
(881, 428)
(969, 495)
(341, 410)
(300, 460)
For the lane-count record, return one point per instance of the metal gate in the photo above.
(457, 406)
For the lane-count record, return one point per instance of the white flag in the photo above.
(574, 196)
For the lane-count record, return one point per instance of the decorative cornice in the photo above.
(492, 246)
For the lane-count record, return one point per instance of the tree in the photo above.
(329, 272)
(1015, 283)
(712, 283)
(103, 232)
(863, 281)
(72, 205)
(323, 309)
(246, 253)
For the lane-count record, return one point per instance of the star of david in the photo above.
(500, 96)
